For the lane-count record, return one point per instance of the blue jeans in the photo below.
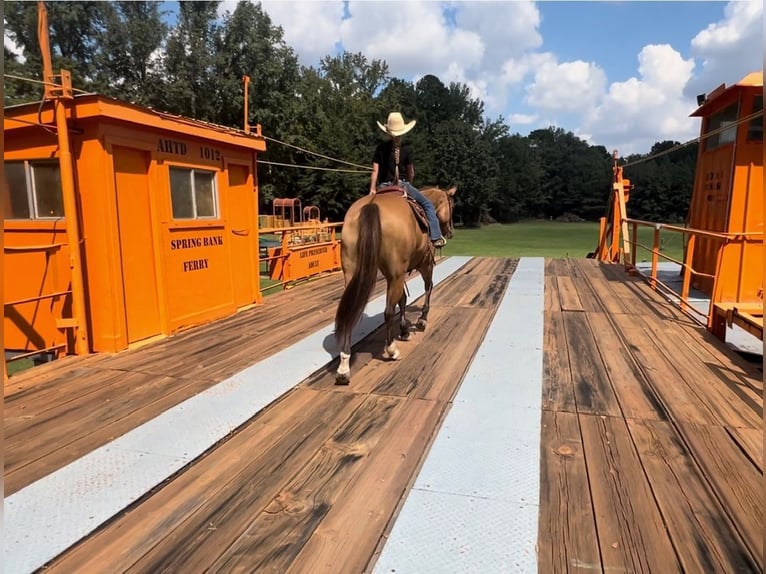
(428, 207)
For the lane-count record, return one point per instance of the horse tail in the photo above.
(359, 288)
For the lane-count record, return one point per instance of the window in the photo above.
(724, 118)
(755, 128)
(33, 190)
(193, 194)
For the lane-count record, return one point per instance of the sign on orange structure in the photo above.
(168, 234)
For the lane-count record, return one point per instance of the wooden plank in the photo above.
(603, 290)
(276, 535)
(588, 298)
(551, 300)
(751, 443)
(558, 388)
(631, 533)
(669, 386)
(734, 403)
(570, 300)
(634, 392)
(428, 373)
(593, 390)
(565, 540)
(210, 502)
(703, 535)
(736, 481)
(356, 521)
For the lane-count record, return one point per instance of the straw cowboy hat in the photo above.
(395, 125)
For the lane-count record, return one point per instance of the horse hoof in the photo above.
(405, 336)
(393, 356)
(342, 379)
(421, 325)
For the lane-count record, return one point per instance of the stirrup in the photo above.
(439, 243)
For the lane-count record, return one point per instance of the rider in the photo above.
(391, 161)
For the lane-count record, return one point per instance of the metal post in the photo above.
(60, 95)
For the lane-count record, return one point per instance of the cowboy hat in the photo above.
(395, 125)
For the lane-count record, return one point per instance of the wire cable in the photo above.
(695, 140)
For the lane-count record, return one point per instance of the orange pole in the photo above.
(634, 241)
(655, 255)
(247, 122)
(67, 189)
(687, 271)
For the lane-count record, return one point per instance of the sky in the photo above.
(620, 74)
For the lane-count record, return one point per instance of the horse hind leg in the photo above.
(393, 295)
(343, 374)
(404, 325)
(427, 273)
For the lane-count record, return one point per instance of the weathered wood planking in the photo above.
(566, 530)
(558, 388)
(631, 533)
(357, 520)
(50, 424)
(630, 384)
(703, 534)
(191, 518)
(277, 493)
(751, 443)
(592, 387)
(737, 483)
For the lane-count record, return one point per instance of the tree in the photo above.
(189, 63)
(128, 61)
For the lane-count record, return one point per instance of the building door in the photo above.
(139, 275)
(241, 217)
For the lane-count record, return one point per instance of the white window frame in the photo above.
(191, 171)
(32, 203)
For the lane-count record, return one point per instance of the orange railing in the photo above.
(735, 296)
(303, 251)
(687, 270)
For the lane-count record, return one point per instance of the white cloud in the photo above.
(522, 119)
(311, 28)
(634, 114)
(11, 45)
(730, 48)
(566, 87)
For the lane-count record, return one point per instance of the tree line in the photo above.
(126, 50)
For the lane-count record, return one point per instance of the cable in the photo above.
(695, 140)
(317, 154)
(55, 85)
(310, 167)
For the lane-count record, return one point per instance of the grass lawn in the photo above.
(546, 239)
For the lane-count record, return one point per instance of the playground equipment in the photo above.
(723, 252)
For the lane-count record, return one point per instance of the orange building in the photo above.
(168, 224)
(728, 189)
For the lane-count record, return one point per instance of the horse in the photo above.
(381, 233)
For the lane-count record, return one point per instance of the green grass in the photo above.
(546, 239)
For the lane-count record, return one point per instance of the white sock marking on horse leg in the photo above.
(343, 367)
(391, 351)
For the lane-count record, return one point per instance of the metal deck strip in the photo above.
(474, 505)
(50, 515)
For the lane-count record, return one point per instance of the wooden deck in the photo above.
(651, 457)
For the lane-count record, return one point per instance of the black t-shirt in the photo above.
(384, 157)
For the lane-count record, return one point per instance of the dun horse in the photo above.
(381, 232)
